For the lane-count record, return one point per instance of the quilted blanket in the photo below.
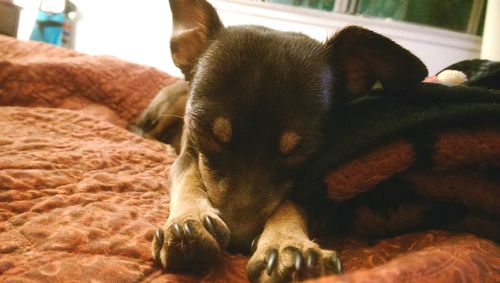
(80, 196)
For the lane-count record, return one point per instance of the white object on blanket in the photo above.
(451, 77)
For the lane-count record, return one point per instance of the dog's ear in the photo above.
(360, 57)
(195, 23)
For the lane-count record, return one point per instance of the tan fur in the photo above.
(287, 222)
(288, 142)
(221, 127)
(189, 201)
(187, 193)
(217, 190)
(236, 214)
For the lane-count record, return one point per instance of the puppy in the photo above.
(258, 101)
(162, 119)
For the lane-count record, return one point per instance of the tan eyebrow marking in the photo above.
(288, 141)
(221, 128)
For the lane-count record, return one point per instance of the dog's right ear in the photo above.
(361, 57)
(195, 23)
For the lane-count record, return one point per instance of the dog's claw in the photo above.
(157, 261)
(337, 265)
(176, 229)
(253, 246)
(297, 259)
(209, 225)
(311, 260)
(159, 241)
(187, 230)
(159, 237)
(271, 260)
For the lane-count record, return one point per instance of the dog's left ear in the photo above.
(360, 57)
(195, 23)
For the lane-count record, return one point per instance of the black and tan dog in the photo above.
(258, 101)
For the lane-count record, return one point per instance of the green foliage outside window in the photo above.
(448, 14)
(326, 5)
(457, 15)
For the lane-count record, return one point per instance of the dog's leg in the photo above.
(193, 235)
(284, 251)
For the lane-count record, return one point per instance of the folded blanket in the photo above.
(428, 130)
(441, 142)
(80, 197)
(431, 127)
(37, 74)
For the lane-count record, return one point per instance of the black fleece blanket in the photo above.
(431, 143)
(377, 118)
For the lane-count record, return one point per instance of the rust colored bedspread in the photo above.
(80, 196)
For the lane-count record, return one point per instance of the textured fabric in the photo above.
(429, 257)
(38, 74)
(451, 150)
(80, 197)
(366, 123)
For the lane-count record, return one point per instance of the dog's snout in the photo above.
(246, 206)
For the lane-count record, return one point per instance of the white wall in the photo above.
(491, 34)
(139, 31)
(27, 17)
(132, 30)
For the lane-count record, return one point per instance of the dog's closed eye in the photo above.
(206, 143)
(212, 141)
(290, 146)
(295, 160)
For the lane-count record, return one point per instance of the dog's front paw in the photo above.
(190, 243)
(289, 260)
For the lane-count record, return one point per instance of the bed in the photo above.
(81, 196)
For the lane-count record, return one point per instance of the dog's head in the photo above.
(259, 100)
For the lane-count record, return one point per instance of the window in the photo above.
(458, 15)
